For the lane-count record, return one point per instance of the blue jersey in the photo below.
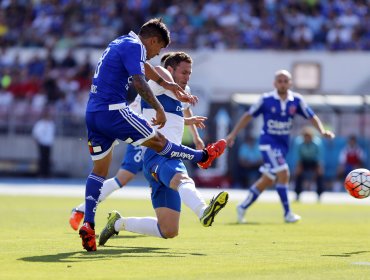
(278, 117)
(123, 58)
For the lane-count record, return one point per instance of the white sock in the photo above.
(142, 225)
(108, 187)
(81, 207)
(192, 198)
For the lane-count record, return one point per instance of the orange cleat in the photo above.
(87, 235)
(76, 218)
(214, 151)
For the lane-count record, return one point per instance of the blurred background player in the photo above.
(352, 156)
(44, 134)
(132, 162)
(309, 164)
(278, 108)
(168, 178)
(108, 117)
(249, 161)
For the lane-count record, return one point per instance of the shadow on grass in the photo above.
(346, 255)
(109, 252)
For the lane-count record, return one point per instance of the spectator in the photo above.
(249, 161)
(309, 166)
(352, 156)
(44, 133)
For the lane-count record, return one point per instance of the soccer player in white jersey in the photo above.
(278, 109)
(168, 178)
(132, 162)
(108, 117)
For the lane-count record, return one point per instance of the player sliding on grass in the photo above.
(108, 117)
(168, 178)
(278, 108)
(132, 162)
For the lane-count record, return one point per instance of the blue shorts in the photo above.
(274, 160)
(159, 172)
(132, 160)
(105, 127)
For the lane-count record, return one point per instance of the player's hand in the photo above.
(198, 121)
(230, 140)
(328, 134)
(160, 118)
(180, 94)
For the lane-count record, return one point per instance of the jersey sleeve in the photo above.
(256, 108)
(133, 57)
(303, 109)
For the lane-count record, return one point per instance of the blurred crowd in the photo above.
(213, 24)
(194, 24)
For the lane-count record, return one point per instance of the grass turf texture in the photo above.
(331, 242)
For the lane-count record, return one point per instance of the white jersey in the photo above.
(174, 127)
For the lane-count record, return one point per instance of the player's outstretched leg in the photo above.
(76, 218)
(87, 235)
(215, 205)
(240, 213)
(290, 217)
(214, 151)
(109, 230)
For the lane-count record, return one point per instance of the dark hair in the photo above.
(156, 28)
(165, 56)
(176, 58)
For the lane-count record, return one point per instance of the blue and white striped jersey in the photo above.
(123, 58)
(278, 117)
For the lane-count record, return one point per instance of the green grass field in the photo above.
(331, 242)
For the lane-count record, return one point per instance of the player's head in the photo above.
(179, 64)
(155, 36)
(164, 57)
(283, 81)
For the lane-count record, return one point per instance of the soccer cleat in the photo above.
(240, 211)
(76, 218)
(215, 205)
(214, 151)
(87, 235)
(291, 218)
(108, 231)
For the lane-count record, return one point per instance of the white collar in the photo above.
(290, 95)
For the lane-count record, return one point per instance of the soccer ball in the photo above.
(357, 183)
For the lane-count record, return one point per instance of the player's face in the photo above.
(282, 83)
(181, 74)
(153, 48)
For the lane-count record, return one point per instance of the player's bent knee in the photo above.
(179, 179)
(168, 232)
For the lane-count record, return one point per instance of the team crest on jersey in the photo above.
(94, 148)
(292, 110)
(273, 110)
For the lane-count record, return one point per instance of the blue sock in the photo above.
(172, 150)
(252, 196)
(282, 190)
(92, 193)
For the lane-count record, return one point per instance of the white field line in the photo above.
(130, 192)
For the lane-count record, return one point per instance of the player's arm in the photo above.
(152, 74)
(316, 122)
(195, 122)
(243, 122)
(146, 93)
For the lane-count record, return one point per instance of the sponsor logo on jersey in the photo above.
(182, 155)
(292, 109)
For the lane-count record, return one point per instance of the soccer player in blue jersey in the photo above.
(108, 117)
(132, 162)
(168, 178)
(278, 109)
